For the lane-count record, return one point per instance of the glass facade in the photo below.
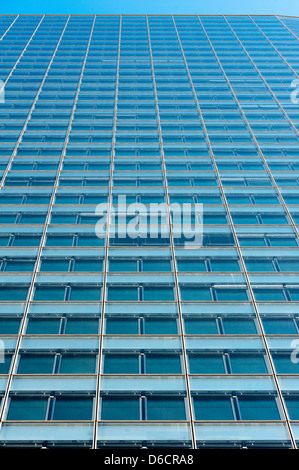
(137, 341)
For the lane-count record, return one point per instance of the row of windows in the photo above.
(195, 126)
(71, 198)
(150, 325)
(151, 363)
(128, 408)
(213, 218)
(149, 265)
(144, 148)
(258, 115)
(202, 164)
(172, 181)
(90, 240)
(149, 293)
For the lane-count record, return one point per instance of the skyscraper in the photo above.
(178, 325)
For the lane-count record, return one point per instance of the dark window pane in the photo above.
(258, 408)
(214, 408)
(23, 408)
(78, 364)
(206, 364)
(43, 326)
(199, 326)
(121, 326)
(9, 325)
(292, 407)
(195, 293)
(163, 364)
(169, 408)
(248, 364)
(73, 408)
(85, 293)
(118, 408)
(36, 364)
(49, 293)
(280, 326)
(284, 365)
(239, 326)
(122, 293)
(4, 366)
(159, 326)
(82, 326)
(121, 364)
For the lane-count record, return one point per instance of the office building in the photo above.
(135, 336)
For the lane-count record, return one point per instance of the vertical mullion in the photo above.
(105, 267)
(189, 400)
(242, 260)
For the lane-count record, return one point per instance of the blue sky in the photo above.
(261, 7)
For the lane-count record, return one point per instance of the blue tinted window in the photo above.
(26, 408)
(213, 408)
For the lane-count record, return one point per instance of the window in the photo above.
(247, 364)
(159, 326)
(78, 364)
(206, 364)
(13, 293)
(292, 403)
(85, 293)
(49, 293)
(280, 326)
(5, 365)
(27, 408)
(120, 408)
(224, 265)
(244, 408)
(82, 326)
(267, 295)
(169, 408)
(163, 364)
(121, 364)
(122, 293)
(73, 408)
(121, 326)
(258, 408)
(200, 326)
(36, 364)
(214, 408)
(191, 265)
(231, 294)
(41, 326)
(195, 293)
(239, 326)
(9, 325)
(17, 265)
(156, 293)
(283, 363)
